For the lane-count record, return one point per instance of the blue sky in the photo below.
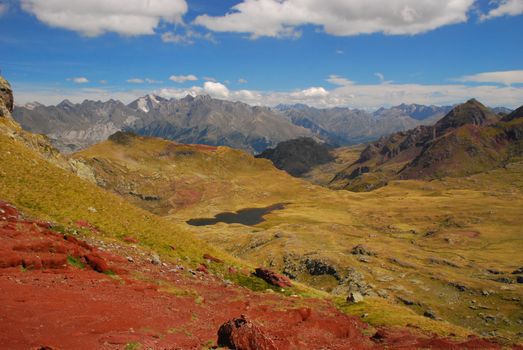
(357, 53)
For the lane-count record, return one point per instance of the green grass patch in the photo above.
(71, 260)
(133, 346)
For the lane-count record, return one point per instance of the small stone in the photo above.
(430, 314)
(92, 210)
(519, 279)
(130, 259)
(155, 259)
(355, 297)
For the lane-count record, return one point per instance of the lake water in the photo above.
(247, 216)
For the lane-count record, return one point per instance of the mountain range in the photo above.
(470, 139)
(205, 120)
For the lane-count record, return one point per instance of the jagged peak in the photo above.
(65, 103)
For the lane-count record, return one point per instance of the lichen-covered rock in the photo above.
(6, 98)
(355, 297)
(242, 334)
(272, 277)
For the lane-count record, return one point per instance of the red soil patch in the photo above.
(53, 304)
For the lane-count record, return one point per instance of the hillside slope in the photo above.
(468, 140)
(298, 156)
(436, 248)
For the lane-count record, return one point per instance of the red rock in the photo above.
(272, 277)
(86, 224)
(9, 259)
(241, 334)
(129, 239)
(202, 268)
(8, 212)
(76, 241)
(96, 262)
(212, 258)
(54, 262)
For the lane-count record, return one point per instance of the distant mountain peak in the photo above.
(471, 112)
(65, 104)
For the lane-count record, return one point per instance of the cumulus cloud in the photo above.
(242, 81)
(183, 78)
(79, 80)
(505, 8)
(503, 77)
(282, 18)
(312, 92)
(217, 90)
(95, 17)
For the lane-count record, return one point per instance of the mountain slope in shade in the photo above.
(298, 156)
(468, 140)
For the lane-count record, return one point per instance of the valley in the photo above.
(436, 254)
(431, 246)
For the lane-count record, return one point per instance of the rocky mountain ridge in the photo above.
(471, 138)
(205, 120)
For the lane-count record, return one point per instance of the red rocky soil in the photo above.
(119, 298)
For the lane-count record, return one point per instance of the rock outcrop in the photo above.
(242, 334)
(6, 98)
(272, 278)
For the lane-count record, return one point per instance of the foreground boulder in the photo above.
(272, 277)
(242, 334)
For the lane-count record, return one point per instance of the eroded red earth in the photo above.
(59, 292)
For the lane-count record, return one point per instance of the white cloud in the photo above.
(364, 96)
(217, 90)
(103, 81)
(183, 78)
(340, 52)
(95, 17)
(242, 81)
(503, 77)
(143, 81)
(505, 8)
(380, 76)
(313, 92)
(210, 79)
(337, 80)
(135, 81)
(281, 18)
(79, 80)
(189, 37)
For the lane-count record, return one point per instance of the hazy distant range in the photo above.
(205, 120)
